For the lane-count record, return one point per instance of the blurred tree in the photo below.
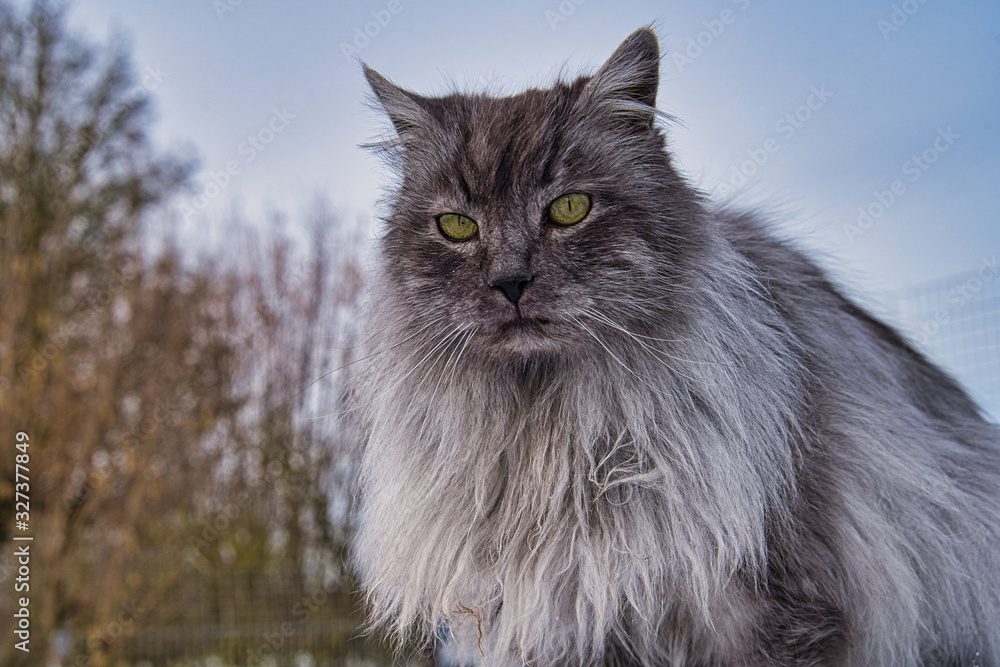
(281, 536)
(86, 328)
(177, 441)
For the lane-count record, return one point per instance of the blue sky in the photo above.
(823, 105)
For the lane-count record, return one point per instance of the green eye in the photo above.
(569, 209)
(457, 227)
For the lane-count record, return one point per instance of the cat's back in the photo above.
(897, 462)
(835, 335)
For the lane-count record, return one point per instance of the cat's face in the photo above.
(534, 220)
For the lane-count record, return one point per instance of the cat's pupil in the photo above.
(570, 209)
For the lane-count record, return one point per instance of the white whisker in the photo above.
(659, 353)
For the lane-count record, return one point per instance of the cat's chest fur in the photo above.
(508, 494)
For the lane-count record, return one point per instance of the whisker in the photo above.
(454, 336)
(662, 355)
(598, 315)
(462, 339)
(612, 354)
(417, 351)
(442, 342)
(367, 357)
(469, 335)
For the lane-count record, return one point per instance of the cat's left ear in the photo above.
(629, 79)
(403, 107)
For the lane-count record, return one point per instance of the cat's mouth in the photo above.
(522, 334)
(519, 325)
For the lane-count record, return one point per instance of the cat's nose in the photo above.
(512, 287)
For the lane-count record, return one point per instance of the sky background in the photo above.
(885, 80)
(885, 106)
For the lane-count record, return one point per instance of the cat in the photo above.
(608, 422)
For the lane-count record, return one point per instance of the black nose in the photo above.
(513, 287)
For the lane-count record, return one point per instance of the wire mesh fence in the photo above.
(956, 322)
(237, 619)
(293, 643)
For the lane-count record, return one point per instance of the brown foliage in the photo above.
(178, 440)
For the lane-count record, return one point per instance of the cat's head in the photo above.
(543, 222)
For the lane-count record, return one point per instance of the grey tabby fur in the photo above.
(681, 446)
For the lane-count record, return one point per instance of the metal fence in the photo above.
(312, 643)
(956, 322)
(242, 619)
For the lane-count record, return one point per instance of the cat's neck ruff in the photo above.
(543, 484)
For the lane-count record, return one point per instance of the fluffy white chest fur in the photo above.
(495, 498)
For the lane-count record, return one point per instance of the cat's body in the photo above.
(652, 435)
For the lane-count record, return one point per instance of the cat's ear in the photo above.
(629, 79)
(403, 107)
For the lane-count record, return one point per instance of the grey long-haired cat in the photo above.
(608, 423)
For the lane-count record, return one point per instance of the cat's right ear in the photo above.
(627, 82)
(403, 107)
